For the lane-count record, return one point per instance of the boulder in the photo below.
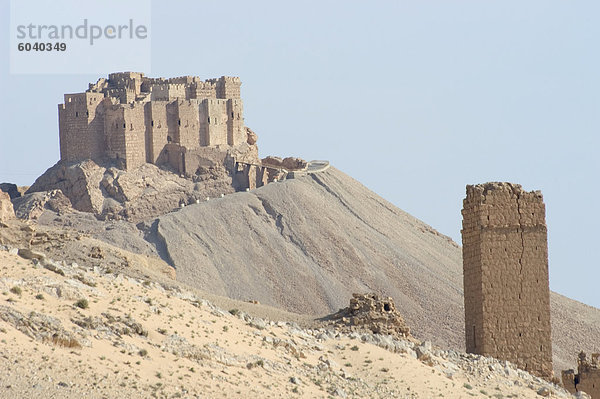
(80, 182)
(11, 189)
(27, 253)
(252, 138)
(6, 207)
(32, 205)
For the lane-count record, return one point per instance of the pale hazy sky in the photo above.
(415, 99)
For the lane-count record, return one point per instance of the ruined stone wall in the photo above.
(81, 129)
(505, 262)
(587, 378)
(128, 80)
(589, 382)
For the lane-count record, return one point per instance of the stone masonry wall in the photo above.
(81, 126)
(188, 122)
(505, 262)
(135, 135)
(236, 132)
(215, 112)
(587, 378)
(130, 118)
(156, 125)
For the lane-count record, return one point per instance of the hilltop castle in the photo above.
(132, 119)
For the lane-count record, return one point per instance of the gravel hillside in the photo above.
(307, 244)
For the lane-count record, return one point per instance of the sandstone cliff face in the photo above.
(138, 194)
(6, 208)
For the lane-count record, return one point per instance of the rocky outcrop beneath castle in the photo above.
(31, 206)
(370, 312)
(11, 189)
(136, 194)
(251, 137)
(6, 208)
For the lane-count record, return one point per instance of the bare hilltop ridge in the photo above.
(192, 253)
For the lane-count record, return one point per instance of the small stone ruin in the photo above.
(372, 313)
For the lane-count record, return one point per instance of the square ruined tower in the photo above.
(505, 264)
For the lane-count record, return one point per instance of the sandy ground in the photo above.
(138, 339)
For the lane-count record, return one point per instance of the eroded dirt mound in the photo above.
(370, 312)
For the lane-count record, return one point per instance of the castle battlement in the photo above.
(131, 118)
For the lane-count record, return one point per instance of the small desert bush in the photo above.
(16, 290)
(82, 303)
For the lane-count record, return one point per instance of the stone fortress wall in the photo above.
(131, 118)
(506, 289)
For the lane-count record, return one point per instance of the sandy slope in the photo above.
(140, 339)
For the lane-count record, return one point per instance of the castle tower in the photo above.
(227, 86)
(505, 264)
(81, 127)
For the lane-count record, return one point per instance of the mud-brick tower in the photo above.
(505, 264)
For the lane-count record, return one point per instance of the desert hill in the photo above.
(70, 330)
(306, 244)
